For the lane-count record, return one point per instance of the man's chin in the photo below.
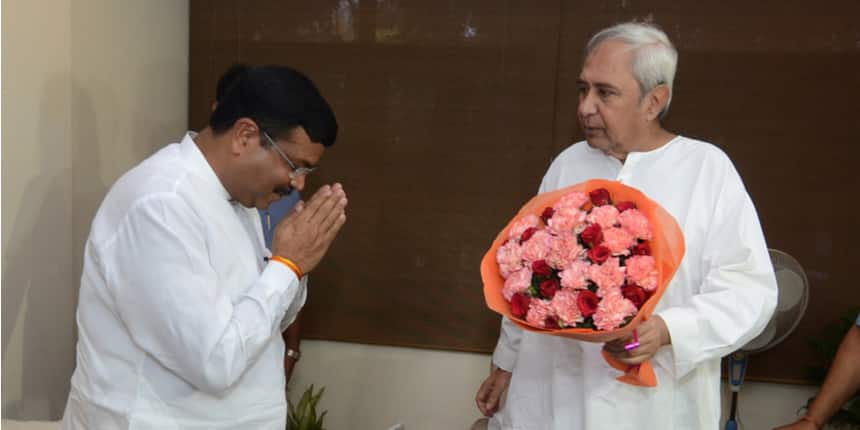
(264, 203)
(598, 143)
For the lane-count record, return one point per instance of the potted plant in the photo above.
(303, 416)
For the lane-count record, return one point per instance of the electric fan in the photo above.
(793, 290)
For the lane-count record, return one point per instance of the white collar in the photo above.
(200, 166)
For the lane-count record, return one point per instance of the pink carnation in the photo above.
(618, 240)
(606, 216)
(564, 305)
(612, 311)
(537, 247)
(574, 200)
(509, 257)
(565, 250)
(576, 275)
(519, 281)
(608, 276)
(523, 224)
(636, 223)
(539, 311)
(567, 220)
(642, 271)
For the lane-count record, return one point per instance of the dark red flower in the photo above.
(599, 197)
(548, 288)
(528, 234)
(599, 254)
(635, 294)
(592, 235)
(587, 302)
(623, 206)
(547, 214)
(520, 305)
(542, 269)
(648, 294)
(641, 249)
(551, 323)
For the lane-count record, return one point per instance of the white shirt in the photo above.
(179, 316)
(721, 297)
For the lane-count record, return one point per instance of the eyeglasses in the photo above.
(296, 171)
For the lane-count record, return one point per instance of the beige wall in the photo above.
(377, 387)
(89, 89)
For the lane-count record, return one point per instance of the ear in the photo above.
(655, 101)
(244, 133)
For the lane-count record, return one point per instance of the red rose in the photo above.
(542, 269)
(587, 302)
(592, 235)
(623, 206)
(599, 254)
(635, 294)
(548, 288)
(528, 234)
(520, 305)
(547, 214)
(648, 294)
(551, 323)
(641, 249)
(599, 197)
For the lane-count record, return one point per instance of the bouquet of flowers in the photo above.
(589, 262)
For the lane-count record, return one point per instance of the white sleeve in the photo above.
(176, 308)
(508, 346)
(738, 295)
(295, 306)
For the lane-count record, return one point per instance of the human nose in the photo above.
(587, 106)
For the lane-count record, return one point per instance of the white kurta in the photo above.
(721, 297)
(179, 316)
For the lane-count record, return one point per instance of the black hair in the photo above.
(228, 79)
(277, 98)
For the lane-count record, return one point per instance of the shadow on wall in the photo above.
(122, 129)
(89, 97)
(41, 273)
(40, 277)
(150, 130)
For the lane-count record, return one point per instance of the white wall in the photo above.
(89, 89)
(375, 387)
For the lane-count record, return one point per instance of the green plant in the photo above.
(825, 347)
(303, 416)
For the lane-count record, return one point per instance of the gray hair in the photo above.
(654, 57)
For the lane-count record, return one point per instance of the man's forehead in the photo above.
(610, 61)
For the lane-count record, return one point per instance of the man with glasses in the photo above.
(270, 217)
(181, 303)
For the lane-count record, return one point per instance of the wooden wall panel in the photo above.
(450, 113)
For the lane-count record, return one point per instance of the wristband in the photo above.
(289, 263)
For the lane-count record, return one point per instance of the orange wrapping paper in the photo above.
(667, 248)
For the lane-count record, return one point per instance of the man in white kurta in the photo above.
(180, 307)
(722, 295)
